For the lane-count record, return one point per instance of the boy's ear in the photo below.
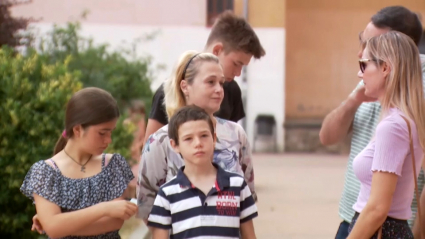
(217, 48)
(175, 146)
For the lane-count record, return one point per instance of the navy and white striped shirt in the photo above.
(189, 213)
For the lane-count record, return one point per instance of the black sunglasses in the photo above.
(363, 63)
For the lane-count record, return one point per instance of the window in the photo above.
(215, 7)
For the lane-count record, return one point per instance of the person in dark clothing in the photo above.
(234, 42)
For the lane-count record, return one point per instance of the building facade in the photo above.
(309, 69)
(182, 25)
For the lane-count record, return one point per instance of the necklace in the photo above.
(83, 166)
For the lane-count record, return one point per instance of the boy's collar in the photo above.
(222, 179)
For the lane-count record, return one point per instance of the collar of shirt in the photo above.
(222, 180)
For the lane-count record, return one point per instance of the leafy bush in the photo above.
(34, 91)
(121, 72)
(122, 137)
(33, 96)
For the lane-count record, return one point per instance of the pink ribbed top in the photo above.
(389, 151)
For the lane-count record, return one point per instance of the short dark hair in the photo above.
(399, 18)
(186, 114)
(236, 35)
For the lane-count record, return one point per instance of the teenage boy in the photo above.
(202, 200)
(234, 42)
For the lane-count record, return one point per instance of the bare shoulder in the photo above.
(57, 158)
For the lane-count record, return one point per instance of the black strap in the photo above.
(103, 160)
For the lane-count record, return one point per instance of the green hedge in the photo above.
(120, 71)
(122, 137)
(34, 90)
(33, 96)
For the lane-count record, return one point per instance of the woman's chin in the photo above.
(368, 93)
(212, 110)
(215, 108)
(215, 111)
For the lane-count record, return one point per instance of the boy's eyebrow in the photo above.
(205, 131)
(190, 134)
(185, 135)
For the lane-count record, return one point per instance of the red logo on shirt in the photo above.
(229, 205)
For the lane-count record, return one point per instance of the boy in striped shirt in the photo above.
(202, 200)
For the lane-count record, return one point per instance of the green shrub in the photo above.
(120, 71)
(33, 96)
(34, 90)
(122, 137)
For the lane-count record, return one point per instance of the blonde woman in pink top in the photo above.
(391, 71)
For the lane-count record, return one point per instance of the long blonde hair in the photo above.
(403, 86)
(174, 98)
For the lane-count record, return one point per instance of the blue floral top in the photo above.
(47, 181)
(159, 162)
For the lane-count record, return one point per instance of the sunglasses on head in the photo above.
(363, 63)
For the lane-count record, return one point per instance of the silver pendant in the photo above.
(83, 169)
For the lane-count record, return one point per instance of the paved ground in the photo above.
(298, 195)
